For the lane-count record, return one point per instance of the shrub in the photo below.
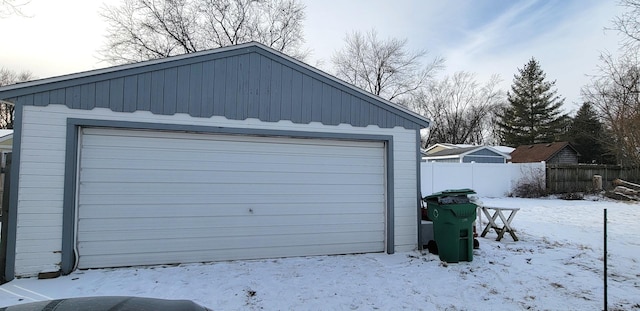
(572, 196)
(531, 185)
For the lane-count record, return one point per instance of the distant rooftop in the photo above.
(537, 152)
(466, 147)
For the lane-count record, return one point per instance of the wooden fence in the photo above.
(563, 178)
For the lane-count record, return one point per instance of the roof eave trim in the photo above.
(455, 156)
(116, 68)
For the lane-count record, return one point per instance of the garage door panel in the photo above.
(203, 232)
(177, 200)
(185, 156)
(226, 149)
(240, 209)
(107, 224)
(152, 176)
(120, 260)
(239, 163)
(161, 139)
(152, 197)
(191, 188)
(223, 242)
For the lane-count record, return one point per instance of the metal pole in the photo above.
(605, 260)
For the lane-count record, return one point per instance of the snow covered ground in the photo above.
(556, 265)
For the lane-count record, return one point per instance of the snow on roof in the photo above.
(502, 149)
(461, 151)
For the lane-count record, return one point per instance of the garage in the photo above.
(164, 197)
(234, 153)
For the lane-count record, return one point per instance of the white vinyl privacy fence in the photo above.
(487, 179)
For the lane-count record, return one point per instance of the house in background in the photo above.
(6, 143)
(441, 146)
(551, 153)
(455, 154)
(444, 146)
(6, 139)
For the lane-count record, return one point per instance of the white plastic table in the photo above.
(506, 221)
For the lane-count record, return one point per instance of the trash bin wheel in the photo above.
(432, 246)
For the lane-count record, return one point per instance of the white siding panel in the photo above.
(41, 261)
(47, 125)
(36, 246)
(207, 193)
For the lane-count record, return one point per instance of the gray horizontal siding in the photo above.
(483, 159)
(565, 156)
(485, 152)
(237, 86)
(454, 160)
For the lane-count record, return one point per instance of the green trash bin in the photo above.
(453, 215)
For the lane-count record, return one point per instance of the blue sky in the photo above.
(481, 36)
(485, 37)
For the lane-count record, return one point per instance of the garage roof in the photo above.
(238, 82)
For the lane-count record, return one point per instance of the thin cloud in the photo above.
(513, 28)
(566, 37)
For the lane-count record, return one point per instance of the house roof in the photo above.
(341, 102)
(538, 152)
(5, 133)
(501, 149)
(442, 145)
(6, 137)
(504, 149)
(454, 151)
(463, 151)
(427, 150)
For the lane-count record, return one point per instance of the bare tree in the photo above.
(460, 109)
(615, 93)
(12, 7)
(627, 24)
(383, 67)
(147, 29)
(615, 90)
(7, 110)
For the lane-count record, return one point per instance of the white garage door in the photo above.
(151, 197)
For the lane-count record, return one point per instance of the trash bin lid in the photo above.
(449, 193)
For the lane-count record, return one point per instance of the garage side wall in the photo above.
(42, 170)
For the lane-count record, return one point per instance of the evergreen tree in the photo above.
(533, 112)
(587, 135)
